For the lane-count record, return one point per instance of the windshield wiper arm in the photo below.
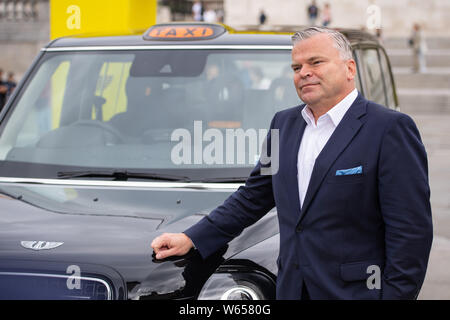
(120, 175)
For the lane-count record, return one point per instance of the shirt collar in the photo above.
(336, 113)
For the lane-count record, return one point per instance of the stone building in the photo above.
(395, 17)
(24, 29)
(24, 24)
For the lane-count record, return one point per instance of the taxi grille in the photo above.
(35, 286)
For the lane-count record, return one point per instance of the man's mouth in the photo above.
(307, 85)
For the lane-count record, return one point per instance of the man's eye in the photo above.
(317, 62)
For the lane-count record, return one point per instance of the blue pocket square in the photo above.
(346, 172)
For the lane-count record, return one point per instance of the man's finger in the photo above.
(160, 242)
(164, 253)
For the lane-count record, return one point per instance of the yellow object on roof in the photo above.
(108, 17)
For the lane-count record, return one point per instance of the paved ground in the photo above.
(435, 131)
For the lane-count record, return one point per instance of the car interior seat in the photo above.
(144, 106)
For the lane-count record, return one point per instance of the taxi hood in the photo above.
(108, 230)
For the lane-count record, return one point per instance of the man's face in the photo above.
(212, 72)
(321, 77)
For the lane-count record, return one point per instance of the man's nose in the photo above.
(305, 72)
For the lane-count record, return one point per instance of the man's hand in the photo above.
(171, 244)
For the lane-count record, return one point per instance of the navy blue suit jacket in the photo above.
(380, 217)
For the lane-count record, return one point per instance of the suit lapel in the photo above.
(341, 137)
(298, 125)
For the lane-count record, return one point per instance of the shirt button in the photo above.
(299, 229)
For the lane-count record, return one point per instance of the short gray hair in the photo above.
(340, 41)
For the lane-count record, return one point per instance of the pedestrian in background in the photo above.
(262, 17)
(379, 35)
(10, 85)
(220, 15)
(259, 81)
(313, 13)
(417, 43)
(209, 15)
(326, 15)
(3, 90)
(197, 11)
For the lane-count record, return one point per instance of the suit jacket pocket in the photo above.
(357, 271)
(351, 178)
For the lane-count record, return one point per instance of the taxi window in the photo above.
(45, 97)
(123, 108)
(358, 70)
(373, 75)
(390, 95)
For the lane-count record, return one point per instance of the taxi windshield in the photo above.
(174, 110)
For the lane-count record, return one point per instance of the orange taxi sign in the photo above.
(198, 31)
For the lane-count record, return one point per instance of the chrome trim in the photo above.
(49, 275)
(38, 245)
(170, 47)
(122, 184)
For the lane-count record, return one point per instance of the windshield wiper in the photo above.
(120, 175)
(225, 179)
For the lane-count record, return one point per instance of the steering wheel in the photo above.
(104, 126)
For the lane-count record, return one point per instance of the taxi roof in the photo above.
(230, 37)
(137, 40)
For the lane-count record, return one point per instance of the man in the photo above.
(3, 90)
(326, 15)
(418, 45)
(197, 9)
(10, 85)
(210, 15)
(262, 17)
(313, 13)
(351, 191)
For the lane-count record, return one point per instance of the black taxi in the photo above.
(110, 141)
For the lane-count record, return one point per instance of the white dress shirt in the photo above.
(315, 137)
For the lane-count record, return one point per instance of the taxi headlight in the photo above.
(240, 293)
(237, 286)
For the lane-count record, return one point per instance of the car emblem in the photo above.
(40, 245)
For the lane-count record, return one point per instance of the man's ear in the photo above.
(351, 69)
